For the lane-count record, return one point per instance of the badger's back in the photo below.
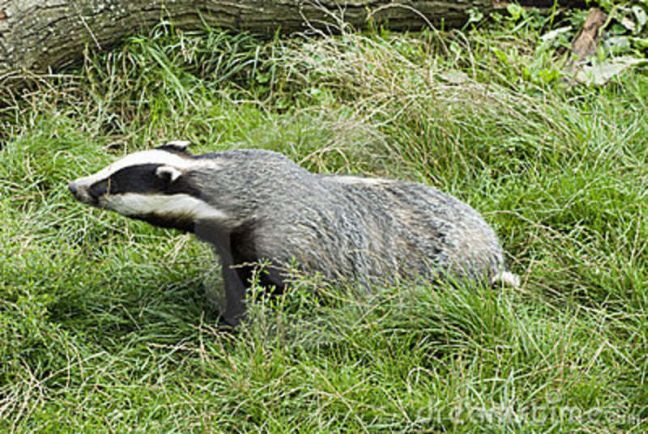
(419, 231)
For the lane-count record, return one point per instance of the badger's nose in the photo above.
(73, 188)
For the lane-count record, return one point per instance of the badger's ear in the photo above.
(176, 145)
(168, 173)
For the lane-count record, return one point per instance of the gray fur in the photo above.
(354, 229)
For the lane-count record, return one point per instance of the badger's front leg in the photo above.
(234, 294)
(235, 287)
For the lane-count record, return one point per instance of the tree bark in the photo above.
(38, 35)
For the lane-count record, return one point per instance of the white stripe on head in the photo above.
(154, 156)
(172, 206)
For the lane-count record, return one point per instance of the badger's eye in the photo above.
(98, 189)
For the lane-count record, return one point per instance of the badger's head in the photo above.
(153, 186)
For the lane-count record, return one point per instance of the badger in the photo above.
(257, 206)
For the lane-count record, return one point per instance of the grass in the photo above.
(104, 325)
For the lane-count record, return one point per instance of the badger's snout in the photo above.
(82, 193)
(73, 188)
(78, 191)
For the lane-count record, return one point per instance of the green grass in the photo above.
(104, 325)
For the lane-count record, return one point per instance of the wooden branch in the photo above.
(587, 40)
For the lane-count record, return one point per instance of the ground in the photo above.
(104, 325)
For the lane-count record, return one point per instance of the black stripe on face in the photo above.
(141, 179)
(136, 179)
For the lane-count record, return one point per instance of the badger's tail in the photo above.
(506, 278)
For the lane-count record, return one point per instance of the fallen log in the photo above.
(41, 35)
